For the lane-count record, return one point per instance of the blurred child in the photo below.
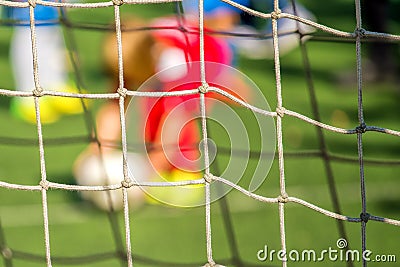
(146, 53)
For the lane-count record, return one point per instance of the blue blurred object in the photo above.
(211, 6)
(21, 15)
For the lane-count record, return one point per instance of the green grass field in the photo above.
(166, 236)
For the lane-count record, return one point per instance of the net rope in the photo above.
(358, 36)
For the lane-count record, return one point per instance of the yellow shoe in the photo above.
(69, 105)
(180, 196)
(24, 108)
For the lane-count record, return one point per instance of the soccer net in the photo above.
(211, 177)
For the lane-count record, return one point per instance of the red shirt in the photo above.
(182, 48)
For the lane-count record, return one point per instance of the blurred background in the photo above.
(161, 235)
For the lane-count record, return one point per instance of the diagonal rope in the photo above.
(71, 46)
(5, 251)
(321, 138)
(227, 218)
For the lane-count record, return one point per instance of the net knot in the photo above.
(32, 3)
(280, 111)
(118, 2)
(276, 14)
(362, 128)
(364, 216)
(203, 88)
(359, 32)
(283, 198)
(38, 92)
(122, 92)
(44, 184)
(127, 183)
(7, 253)
(208, 177)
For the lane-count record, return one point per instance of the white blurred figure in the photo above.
(95, 169)
(52, 64)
